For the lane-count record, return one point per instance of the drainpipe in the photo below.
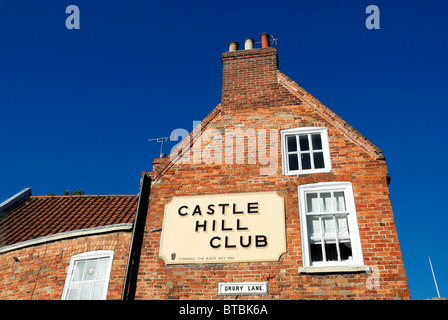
(130, 280)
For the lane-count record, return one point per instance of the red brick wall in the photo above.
(252, 97)
(42, 269)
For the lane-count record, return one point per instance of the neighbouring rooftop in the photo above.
(26, 217)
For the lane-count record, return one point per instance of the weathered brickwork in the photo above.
(39, 272)
(257, 96)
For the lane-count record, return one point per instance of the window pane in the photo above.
(316, 251)
(85, 291)
(339, 201)
(325, 202)
(342, 226)
(79, 269)
(73, 292)
(346, 250)
(292, 143)
(97, 290)
(331, 252)
(329, 227)
(311, 202)
(306, 161)
(304, 144)
(317, 142)
(103, 267)
(318, 160)
(293, 162)
(89, 272)
(314, 227)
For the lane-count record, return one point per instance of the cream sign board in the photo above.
(223, 228)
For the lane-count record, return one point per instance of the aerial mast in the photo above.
(434, 276)
(162, 140)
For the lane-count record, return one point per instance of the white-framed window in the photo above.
(305, 150)
(329, 226)
(88, 276)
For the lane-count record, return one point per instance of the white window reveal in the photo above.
(329, 225)
(305, 150)
(88, 276)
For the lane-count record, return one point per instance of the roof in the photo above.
(42, 216)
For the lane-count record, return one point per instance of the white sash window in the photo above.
(329, 226)
(88, 276)
(305, 150)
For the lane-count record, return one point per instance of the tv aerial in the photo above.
(273, 41)
(162, 141)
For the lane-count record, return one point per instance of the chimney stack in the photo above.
(249, 76)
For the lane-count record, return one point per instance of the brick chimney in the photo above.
(249, 76)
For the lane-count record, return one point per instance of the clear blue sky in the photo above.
(77, 106)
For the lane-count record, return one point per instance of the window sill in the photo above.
(302, 172)
(334, 269)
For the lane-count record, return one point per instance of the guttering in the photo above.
(68, 235)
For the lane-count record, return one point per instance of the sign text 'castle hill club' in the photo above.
(223, 228)
(252, 208)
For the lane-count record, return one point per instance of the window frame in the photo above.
(89, 255)
(308, 131)
(352, 220)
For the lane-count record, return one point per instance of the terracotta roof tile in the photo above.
(47, 215)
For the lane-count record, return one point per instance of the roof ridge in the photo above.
(344, 127)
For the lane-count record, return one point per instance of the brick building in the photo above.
(274, 190)
(46, 242)
(271, 196)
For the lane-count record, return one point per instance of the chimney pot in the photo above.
(265, 40)
(249, 44)
(233, 46)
